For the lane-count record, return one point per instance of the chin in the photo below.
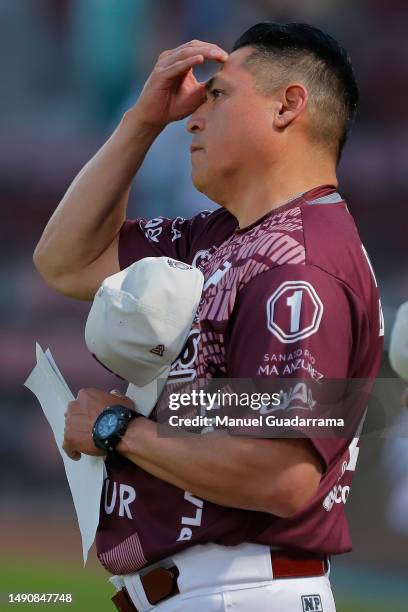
(206, 184)
(199, 182)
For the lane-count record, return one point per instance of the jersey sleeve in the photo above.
(157, 237)
(296, 322)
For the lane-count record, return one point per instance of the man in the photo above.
(288, 292)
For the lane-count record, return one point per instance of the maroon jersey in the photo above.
(292, 295)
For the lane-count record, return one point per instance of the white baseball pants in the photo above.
(216, 578)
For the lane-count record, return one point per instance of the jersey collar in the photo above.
(309, 196)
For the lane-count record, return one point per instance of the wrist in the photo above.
(136, 123)
(130, 441)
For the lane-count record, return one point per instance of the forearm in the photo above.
(79, 246)
(227, 470)
(93, 209)
(269, 475)
(209, 466)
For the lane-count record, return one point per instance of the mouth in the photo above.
(194, 148)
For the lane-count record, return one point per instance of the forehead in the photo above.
(234, 70)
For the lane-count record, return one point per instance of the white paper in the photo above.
(85, 477)
(145, 398)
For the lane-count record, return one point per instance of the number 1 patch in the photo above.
(294, 311)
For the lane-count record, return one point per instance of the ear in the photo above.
(293, 102)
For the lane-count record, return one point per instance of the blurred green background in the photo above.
(70, 68)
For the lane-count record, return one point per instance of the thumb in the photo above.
(125, 400)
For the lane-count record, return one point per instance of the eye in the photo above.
(215, 93)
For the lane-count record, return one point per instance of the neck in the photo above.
(251, 197)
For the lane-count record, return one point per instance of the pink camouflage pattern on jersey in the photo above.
(268, 244)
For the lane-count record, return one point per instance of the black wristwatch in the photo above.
(111, 426)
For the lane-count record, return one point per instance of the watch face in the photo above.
(107, 425)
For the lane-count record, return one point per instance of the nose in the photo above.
(195, 124)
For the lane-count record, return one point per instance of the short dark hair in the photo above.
(306, 53)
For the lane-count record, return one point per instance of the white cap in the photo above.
(140, 318)
(398, 352)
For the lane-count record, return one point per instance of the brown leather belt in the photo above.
(161, 583)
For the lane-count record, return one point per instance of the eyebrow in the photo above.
(210, 83)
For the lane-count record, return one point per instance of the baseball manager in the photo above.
(206, 523)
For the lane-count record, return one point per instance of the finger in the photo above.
(71, 407)
(83, 394)
(72, 454)
(213, 53)
(190, 44)
(117, 393)
(182, 67)
(200, 43)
